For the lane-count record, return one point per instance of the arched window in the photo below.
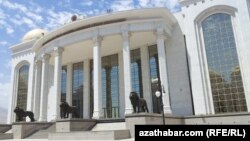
(22, 87)
(223, 64)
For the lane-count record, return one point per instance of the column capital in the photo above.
(58, 50)
(97, 39)
(45, 56)
(38, 62)
(124, 28)
(126, 35)
(160, 33)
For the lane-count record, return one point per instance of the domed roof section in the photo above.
(34, 34)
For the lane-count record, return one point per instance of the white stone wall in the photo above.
(191, 9)
(179, 87)
(25, 58)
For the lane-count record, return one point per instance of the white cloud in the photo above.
(10, 5)
(65, 3)
(56, 19)
(122, 5)
(87, 3)
(25, 16)
(172, 5)
(8, 64)
(35, 17)
(9, 30)
(144, 3)
(1, 75)
(4, 43)
(2, 15)
(29, 22)
(4, 94)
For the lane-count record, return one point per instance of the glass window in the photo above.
(91, 89)
(154, 76)
(110, 86)
(77, 87)
(22, 89)
(223, 64)
(64, 83)
(136, 72)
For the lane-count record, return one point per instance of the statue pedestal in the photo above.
(4, 127)
(68, 125)
(22, 130)
(149, 119)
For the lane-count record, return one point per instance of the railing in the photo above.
(115, 112)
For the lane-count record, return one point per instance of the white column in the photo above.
(86, 91)
(127, 72)
(38, 74)
(146, 77)
(30, 88)
(69, 84)
(44, 88)
(163, 69)
(97, 78)
(12, 99)
(121, 86)
(57, 80)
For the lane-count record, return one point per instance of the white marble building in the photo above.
(201, 55)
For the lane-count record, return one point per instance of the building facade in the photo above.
(199, 56)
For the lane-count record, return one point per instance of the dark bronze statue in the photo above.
(66, 110)
(21, 114)
(138, 103)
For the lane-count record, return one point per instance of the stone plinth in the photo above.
(91, 135)
(22, 130)
(228, 118)
(149, 119)
(4, 128)
(68, 125)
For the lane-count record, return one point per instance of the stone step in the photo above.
(91, 135)
(22, 130)
(4, 136)
(43, 134)
(4, 128)
(110, 126)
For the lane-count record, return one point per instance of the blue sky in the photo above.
(17, 17)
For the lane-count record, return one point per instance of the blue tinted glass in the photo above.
(22, 87)
(77, 87)
(64, 83)
(223, 64)
(110, 87)
(136, 72)
(154, 76)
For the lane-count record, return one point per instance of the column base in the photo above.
(128, 111)
(42, 119)
(167, 110)
(97, 115)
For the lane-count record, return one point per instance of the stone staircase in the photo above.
(109, 126)
(103, 130)
(91, 135)
(5, 132)
(43, 134)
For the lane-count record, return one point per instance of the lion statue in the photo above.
(21, 114)
(66, 110)
(138, 103)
